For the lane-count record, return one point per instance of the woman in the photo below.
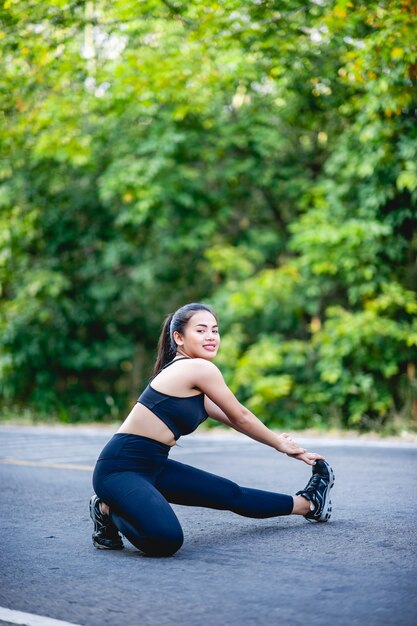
(134, 480)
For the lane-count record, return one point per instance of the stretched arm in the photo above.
(222, 405)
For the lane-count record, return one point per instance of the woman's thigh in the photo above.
(183, 484)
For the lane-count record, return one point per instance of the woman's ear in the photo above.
(177, 338)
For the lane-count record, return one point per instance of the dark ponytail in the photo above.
(165, 352)
(177, 321)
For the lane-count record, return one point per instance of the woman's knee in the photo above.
(163, 545)
(158, 543)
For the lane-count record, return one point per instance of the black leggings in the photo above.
(134, 476)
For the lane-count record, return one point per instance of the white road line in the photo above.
(28, 619)
(70, 466)
(75, 459)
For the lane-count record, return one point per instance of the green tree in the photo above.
(351, 290)
(261, 155)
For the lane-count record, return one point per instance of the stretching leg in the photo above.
(183, 484)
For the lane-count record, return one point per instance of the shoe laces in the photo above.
(314, 482)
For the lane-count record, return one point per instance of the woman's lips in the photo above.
(210, 347)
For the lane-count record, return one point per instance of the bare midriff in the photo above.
(141, 421)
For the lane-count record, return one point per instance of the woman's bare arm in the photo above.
(222, 405)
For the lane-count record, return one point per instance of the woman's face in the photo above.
(201, 337)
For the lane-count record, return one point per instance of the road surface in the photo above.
(358, 569)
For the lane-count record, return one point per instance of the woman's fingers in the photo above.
(309, 457)
(295, 449)
(314, 457)
(309, 461)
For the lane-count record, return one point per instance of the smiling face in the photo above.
(201, 337)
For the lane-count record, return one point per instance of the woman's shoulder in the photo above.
(203, 367)
(202, 364)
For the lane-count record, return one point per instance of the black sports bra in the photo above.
(182, 415)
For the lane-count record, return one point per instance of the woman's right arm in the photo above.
(208, 378)
(217, 414)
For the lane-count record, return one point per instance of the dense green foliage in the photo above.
(258, 155)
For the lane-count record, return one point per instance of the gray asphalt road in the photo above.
(359, 569)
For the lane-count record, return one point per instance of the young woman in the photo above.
(134, 480)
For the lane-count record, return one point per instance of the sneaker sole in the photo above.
(99, 546)
(327, 508)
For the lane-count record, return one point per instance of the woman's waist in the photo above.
(143, 422)
(133, 448)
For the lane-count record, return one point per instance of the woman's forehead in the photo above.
(203, 317)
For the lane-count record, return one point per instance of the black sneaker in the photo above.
(105, 535)
(317, 491)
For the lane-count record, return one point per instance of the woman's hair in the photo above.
(177, 321)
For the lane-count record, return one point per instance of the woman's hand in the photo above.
(308, 457)
(287, 445)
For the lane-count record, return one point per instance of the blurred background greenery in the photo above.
(257, 155)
